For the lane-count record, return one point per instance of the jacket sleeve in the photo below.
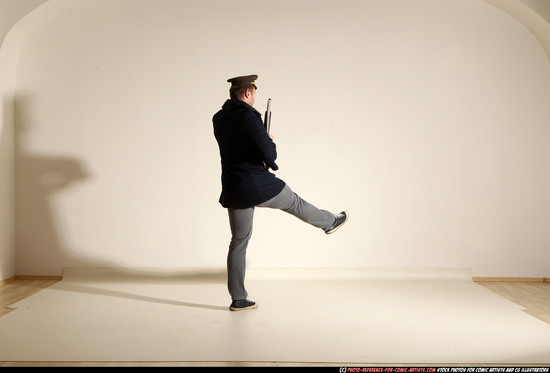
(257, 135)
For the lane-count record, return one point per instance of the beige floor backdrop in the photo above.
(320, 316)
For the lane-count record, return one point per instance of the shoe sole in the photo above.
(338, 227)
(235, 309)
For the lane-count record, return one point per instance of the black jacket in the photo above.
(244, 148)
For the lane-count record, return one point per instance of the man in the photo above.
(247, 153)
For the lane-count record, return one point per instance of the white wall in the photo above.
(11, 11)
(426, 120)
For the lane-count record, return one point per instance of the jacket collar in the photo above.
(233, 104)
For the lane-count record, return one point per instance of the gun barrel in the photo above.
(267, 116)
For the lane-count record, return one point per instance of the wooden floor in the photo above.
(17, 290)
(534, 297)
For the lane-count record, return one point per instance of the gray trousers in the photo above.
(240, 221)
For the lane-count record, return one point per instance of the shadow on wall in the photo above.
(41, 248)
(37, 178)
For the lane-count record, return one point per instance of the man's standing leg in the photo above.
(240, 221)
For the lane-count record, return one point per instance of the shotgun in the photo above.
(267, 116)
(267, 125)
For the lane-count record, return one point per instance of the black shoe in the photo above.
(243, 304)
(341, 218)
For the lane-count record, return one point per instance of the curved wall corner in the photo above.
(540, 6)
(533, 14)
(12, 12)
(17, 20)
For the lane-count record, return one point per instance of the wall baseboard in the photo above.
(510, 279)
(44, 278)
(7, 281)
(475, 279)
(23, 277)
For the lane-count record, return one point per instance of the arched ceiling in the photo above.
(11, 11)
(533, 14)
